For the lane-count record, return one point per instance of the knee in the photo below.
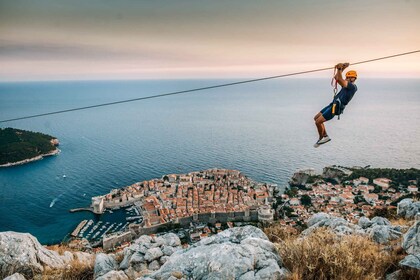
(317, 116)
(319, 120)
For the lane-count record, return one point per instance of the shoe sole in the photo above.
(319, 144)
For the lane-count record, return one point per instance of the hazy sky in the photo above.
(134, 39)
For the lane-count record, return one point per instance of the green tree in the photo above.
(306, 200)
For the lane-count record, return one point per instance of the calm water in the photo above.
(263, 129)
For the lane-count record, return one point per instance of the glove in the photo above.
(342, 66)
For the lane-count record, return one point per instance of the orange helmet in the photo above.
(351, 74)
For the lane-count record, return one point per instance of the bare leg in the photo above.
(319, 122)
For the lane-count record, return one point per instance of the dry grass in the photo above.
(402, 222)
(324, 255)
(76, 270)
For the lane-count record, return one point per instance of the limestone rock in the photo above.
(412, 261)
(393, 276)
(113, 275)
(163, 259)
(153, 254)
(16, 276)
(407, 208)
(230, 254)
(154, 265)
(21, 252)
(103, 264)
(364, 222)
(168, 250)
(171, 239)
(381, 221)
(411, 239)
(338, 225)
(382, 233)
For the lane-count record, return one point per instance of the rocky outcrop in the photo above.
(338, 225)
(16, 276)
(412, 261)
(336, 173)
(147, 254)
(22, 253)
(411, 239)
(113, 275)
(408, 209)
(103, 264)
(379, 228)
(237, 253)
(300, 177)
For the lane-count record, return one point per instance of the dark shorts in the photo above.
(327, 112)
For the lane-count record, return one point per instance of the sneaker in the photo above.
(321, 141)
(324, 140)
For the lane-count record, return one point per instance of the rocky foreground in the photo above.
(237, 253)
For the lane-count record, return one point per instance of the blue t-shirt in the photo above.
(346, 93)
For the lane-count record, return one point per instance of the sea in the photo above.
(264, 129)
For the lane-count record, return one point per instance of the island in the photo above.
(21, 146)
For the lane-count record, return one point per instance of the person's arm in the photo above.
(339, 75)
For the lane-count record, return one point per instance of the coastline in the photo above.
(25, 161)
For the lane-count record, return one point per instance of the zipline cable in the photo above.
(200, 89)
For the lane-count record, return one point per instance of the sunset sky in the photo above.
(128, 39)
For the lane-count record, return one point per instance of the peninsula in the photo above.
(21, 146)
(203, 201)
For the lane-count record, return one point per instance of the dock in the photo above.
(81, 209)
(78, 228)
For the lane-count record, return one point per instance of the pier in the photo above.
(81, 209)
(78, 228)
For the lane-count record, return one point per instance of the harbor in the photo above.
(111, 221)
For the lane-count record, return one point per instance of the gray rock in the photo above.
(171, 239)
(393, 276)
(337, 225)
(154, 265)
(144, 239)
(168, 250)
(163, 259)
(153, 254)
(133, 274)
(16, 276)
(381, 221)
(21, 252)
(158, 241)
(250, 275)
(364, 222)
(231, 254)
(412, 261)
(407, 208)
(233, 235)
(383, 234)
(103, 264)
(114, 275)
(314, 219)
(411, 239)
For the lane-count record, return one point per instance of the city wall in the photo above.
(202, 218)
(112, 241)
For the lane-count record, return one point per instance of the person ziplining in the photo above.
(340, 101)
(343, 96)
